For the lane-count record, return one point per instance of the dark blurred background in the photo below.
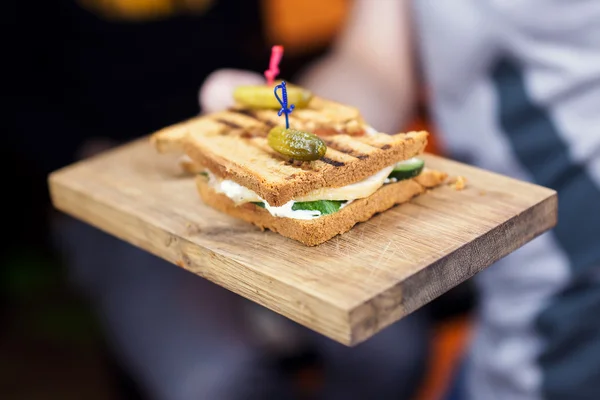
(85, 73)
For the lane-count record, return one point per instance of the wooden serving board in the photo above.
(348, 288)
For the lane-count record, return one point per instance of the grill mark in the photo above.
(329, 161)
(345, 150)
(252, 114)
(248, 135)
(320, 131)
(303, 165)
(242, 131)
(230, 124)
(350, 152)
(253, 133)
(326, 131)
(385, 146)
(246, 112)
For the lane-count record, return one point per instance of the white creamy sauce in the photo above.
(237, 193)
(369, 130)
(365, 188)
(354, 191)
(185, 159)
(286, 211)
(346, 204)
(240, 194)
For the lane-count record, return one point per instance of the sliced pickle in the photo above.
(407, 169)
(303, 146)
(262, 96)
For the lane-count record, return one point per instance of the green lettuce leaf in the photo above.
(324, 206)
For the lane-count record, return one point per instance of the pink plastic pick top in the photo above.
(273, 71)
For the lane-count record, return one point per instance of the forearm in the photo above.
(371, 65)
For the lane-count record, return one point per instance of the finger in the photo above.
(216, 93)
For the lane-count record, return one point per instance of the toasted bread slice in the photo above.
(190, 166)
(327, 116)
(316, 231)
(171, 139)
(232, 144)
(253, 164)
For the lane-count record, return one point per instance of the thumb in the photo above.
(216, 93)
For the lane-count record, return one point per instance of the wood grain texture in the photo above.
(348, 288)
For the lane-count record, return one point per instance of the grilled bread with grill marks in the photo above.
(232, 144)
(316, 231)
(321, 117)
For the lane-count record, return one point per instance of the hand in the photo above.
(216, 93)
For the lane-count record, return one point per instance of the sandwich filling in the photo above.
(322, 201)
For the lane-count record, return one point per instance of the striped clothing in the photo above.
(516, 90)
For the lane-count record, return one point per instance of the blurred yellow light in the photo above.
(304, 24)
(144, 9)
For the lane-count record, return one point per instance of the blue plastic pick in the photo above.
(284, 104)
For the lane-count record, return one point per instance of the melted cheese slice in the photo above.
(359, 190)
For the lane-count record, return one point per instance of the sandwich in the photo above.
(309, 183)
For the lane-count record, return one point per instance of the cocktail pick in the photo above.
(284, 103)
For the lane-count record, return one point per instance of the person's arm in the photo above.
(371, 65)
